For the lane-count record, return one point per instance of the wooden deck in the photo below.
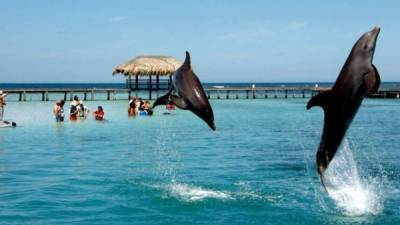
(211, 92)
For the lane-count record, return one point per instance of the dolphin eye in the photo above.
(365, 47)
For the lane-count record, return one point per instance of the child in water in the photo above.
(83, 110)
(99, 114)
(147, 108)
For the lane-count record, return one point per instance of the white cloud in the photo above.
(247, 35)
(297, 25)
(117, 19)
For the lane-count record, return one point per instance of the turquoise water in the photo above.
(257, 168)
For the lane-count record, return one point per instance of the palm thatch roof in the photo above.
(148, 65)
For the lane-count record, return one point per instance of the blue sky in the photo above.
(255, 41)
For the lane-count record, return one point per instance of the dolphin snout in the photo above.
(376, 31)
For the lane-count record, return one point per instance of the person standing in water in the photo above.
(132, 109)
(83, 110)
(73, 112)
(75, 101)
(58, 110)
(2, 103)
(99, 114)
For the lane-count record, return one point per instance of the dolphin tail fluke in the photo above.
(323, 181)
(322, 164)
(320, 99)
(163, 100)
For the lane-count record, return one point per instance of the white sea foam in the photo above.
(354, 194)
(191, 193)
(249, 192)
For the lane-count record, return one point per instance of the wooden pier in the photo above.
(94, 94)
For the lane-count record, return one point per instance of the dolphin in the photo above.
(187, 93)
(358, 78)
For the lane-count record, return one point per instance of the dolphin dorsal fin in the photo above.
(320, 99)
(187, 62)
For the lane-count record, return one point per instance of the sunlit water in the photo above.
(257, 168)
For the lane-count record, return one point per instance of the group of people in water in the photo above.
(77, 111)
(137, 107)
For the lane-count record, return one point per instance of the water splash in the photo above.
(191, 193)
(353, 194)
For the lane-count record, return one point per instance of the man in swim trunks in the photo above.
(58, 110)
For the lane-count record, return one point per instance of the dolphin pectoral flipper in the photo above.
(179, 102)
(377, 79)
(320, 99)
(163, 100)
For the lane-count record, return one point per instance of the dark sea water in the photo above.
(257, 168)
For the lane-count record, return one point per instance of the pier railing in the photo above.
(93, 94)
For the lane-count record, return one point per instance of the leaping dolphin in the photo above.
(187, 92)
(357, 79)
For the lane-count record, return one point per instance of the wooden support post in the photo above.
(46, 97)
(85, 96)
(65, 96)
(24, 96)
(286, 90)
(208, 94)
(115, 95)
(303, 93)
(70, 96)
(92, 95)
(266, 93)
(254, 93)
(247, 94)
(108, 95)
(136, 82)
(43, 97)
(276, 95)
(237, 95)
(218, 97)
(20, 96)
(129, 94)
(170, 82)
(158, 82)
(227, 94)
(150, 87)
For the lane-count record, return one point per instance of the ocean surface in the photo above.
(257, 168)
(384, 85)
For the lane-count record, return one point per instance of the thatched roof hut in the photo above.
(148, 65)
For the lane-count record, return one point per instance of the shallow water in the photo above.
(257, 168)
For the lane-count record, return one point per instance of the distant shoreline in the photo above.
(392, 84)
